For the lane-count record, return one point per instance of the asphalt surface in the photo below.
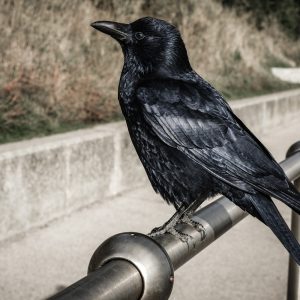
(246, 263)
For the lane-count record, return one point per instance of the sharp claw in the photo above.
(186, 219)
(157, 231)
(184, 237)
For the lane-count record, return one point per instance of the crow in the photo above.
(188, 139)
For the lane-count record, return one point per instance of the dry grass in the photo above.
(56, 72)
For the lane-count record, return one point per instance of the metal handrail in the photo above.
(135, 266)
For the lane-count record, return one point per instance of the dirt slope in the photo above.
(57, 73)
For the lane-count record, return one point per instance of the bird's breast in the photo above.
(171, 173)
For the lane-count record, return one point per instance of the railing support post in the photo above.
(293, 272)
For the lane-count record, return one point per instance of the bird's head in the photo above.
(154, 44)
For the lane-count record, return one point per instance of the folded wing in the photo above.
(201, 125)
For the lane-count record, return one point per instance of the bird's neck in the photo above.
(129, 80)
(134, 72)
(130, 77)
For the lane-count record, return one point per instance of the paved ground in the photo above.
(247, 263)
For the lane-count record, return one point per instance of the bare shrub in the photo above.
(56, 71)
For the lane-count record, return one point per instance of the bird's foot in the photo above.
(187, 219)
(170, 228)
(184, 237)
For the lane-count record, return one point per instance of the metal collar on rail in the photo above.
(150, 259)
(295, 148)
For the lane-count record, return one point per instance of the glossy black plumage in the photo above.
(188, 139)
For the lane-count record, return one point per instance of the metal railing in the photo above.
(135, 266)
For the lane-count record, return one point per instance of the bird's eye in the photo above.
(139, 35)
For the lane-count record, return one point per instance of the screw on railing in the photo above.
(135, 266)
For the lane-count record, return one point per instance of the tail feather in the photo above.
(273, 219)
(290, 197)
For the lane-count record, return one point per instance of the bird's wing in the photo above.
(200, 124)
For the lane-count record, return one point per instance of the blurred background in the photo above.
(58, 74)
(68, 181)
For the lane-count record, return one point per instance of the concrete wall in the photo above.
(45, 178)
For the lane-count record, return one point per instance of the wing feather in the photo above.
(211, 135)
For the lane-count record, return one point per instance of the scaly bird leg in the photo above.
(187, 216)
(170, 224)
(182, 215)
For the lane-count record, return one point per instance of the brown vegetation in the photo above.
(57, 72)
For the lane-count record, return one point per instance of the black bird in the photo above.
(189, 141)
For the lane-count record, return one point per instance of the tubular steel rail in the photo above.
(135, 266)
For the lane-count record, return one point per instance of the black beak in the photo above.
(118, 31)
